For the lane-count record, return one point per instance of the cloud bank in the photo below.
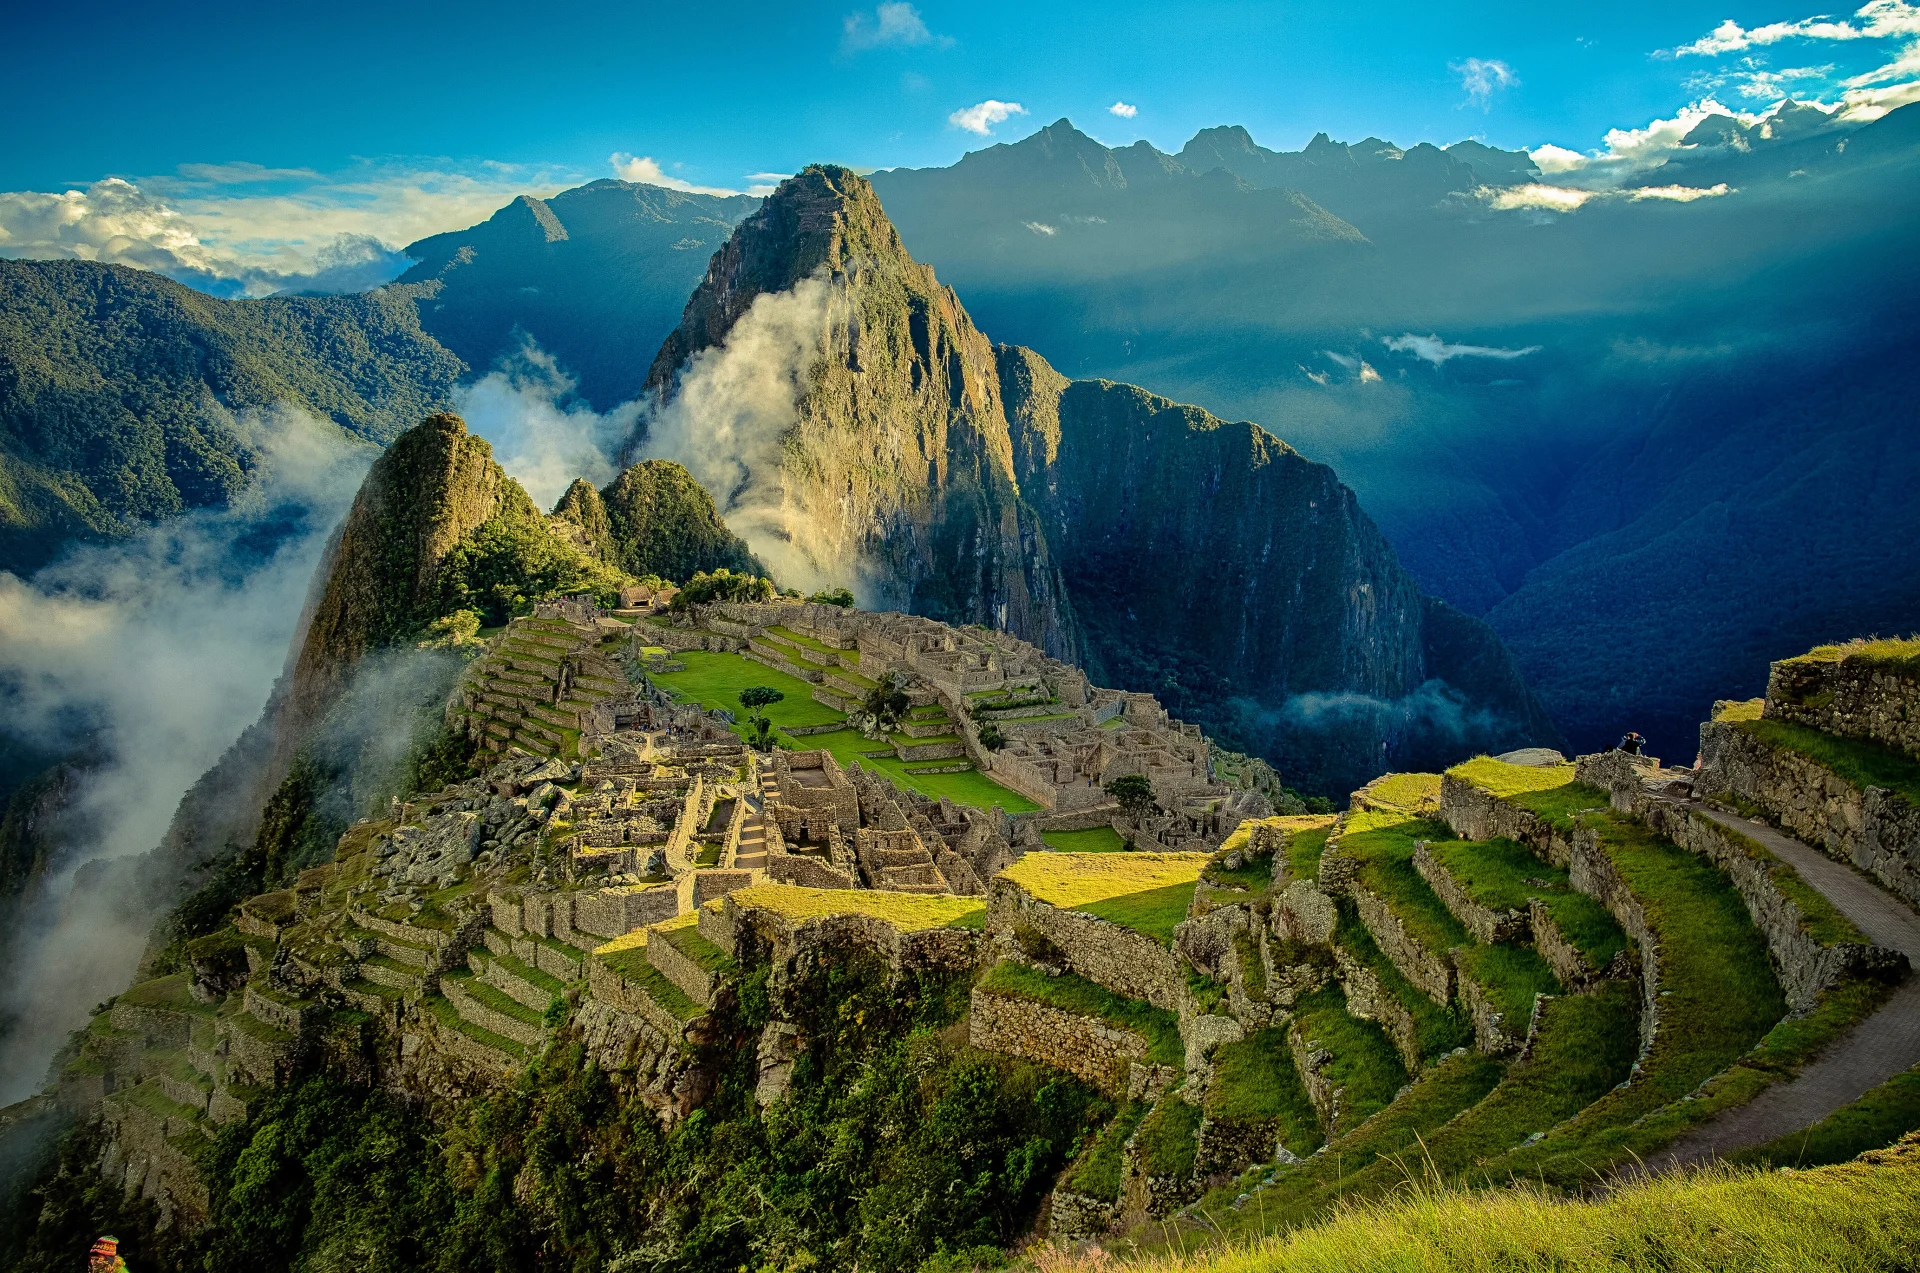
(158, 650)
(541, 437)
(726, 419)
(1438, 352)
(242, 229)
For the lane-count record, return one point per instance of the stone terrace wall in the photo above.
(1875, 830)
(1484, 923)
(1124, 961)
(1086, 1047)
(1804, 966)
(1476, 815)
(1851, 698)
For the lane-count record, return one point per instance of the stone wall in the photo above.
(1124, 961)
(1429, 970)
(471, 1009)
(614, 912)
(1805, 966)
(1487, 925)
(1077, 1217)
(1851, 698)
(1874, 829)
(1303, 912)
(1593, 873)
(1370, 1001)
(1087, 1047)
(808, 872)
(610, 988)
(1493, 1034)
(1474, 814)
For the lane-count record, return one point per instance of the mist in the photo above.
(733, 404)
(152, 653)
(541, 435)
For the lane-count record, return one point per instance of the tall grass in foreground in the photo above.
(1857, 1217)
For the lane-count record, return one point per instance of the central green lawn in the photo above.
(715, 680)
(1091, 840)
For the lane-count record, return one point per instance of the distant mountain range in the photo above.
(1654, 440)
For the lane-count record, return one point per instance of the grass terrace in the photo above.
(1512, 976)
(1383, 843)
(1898, 653)
(1498, 778)
(1436, 1030)
(1166, 1142)
(1406, 793)
(1254, 1081)
(908, 912)
(1097, 1173)
(449, 1016)
(819, 647)
(1501, 874)
(714, 679)
(1070, 992)
(1147, 892)
(631, 963)
(1365, 1064)
(1091, 840)
(683, 935)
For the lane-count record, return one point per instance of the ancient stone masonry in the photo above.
(1873, 828)
(1103, 1054)
(1849, 695)
(1805, 964)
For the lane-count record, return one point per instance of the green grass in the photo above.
(687, 940)
(1436, 1030)
(1153, 912)
(1854, 760)
(819, 647)
(1254, 874)
(1073, 993)
(1165, 1143)
(1364, 1062)
(1097, 1173)
(1879, 1118)
(1820, 919)
(715, 679)
(1303, 852)
(1406, 793)
(709, 854)
(449, 1016)
(1091, 840)
(1511, 976)
(489, 996)
(1383, 843)
(1498, 778)
(1253, 970)
(1897, 653)
(1587, 926)
(1497, 874)
(968, 787)
(632, 965)
(1720, 996)
(1557, 806)
(172, 993)
(909, 912)
(1307, 1190)
(1254, 1081)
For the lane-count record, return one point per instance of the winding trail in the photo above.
(1885, 1044)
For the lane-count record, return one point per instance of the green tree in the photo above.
(1135, 794)
(991, 738)
(754, 698)
(833, 597)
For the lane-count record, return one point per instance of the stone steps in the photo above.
(384, 970)
(525, 985)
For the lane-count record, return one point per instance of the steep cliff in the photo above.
(894, 471)
(1212, 564)
(1167, 550)
(655, 519)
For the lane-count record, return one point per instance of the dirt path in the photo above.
(1875, 1050)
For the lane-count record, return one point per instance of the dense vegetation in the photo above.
(897, 1143)
(121, 388)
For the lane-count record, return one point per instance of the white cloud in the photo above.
(1864, 105)
(981, 118)
(896, 24)
(1544, 198)
(1631, 151)
(643, 170)
(1766, 85)
(542, 444)
(1482, 78)
(160, 648)
(1436, 351)
(242, 229)
(1125, 110)
(1362, 369)
(1041, 228)
(1877, 19)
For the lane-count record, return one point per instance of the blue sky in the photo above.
(381, 121)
